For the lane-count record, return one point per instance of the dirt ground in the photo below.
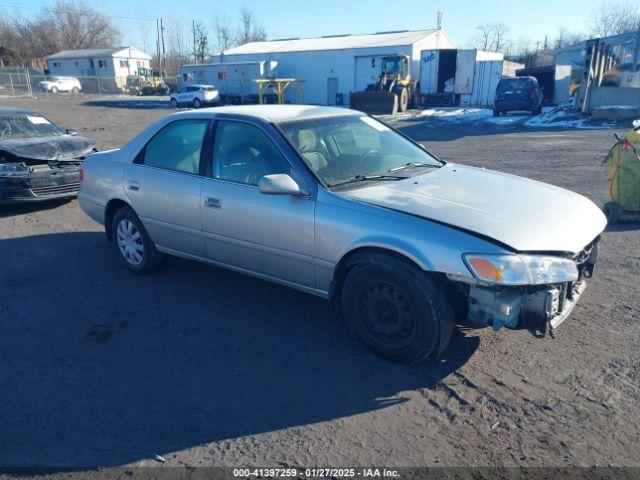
(208, 367)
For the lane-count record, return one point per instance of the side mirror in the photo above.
(279, 184)
(70, 131)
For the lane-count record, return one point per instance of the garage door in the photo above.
(367, 71)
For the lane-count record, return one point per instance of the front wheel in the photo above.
(136, 248)
(75, 90)
(54, 89)
(403, 99)
(395, 310)
(174, 103)
(496, 113)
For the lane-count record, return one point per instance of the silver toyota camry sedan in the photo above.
(337, 204)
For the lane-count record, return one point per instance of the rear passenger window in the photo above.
(177, 146)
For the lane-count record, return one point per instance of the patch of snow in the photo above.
(550, 117)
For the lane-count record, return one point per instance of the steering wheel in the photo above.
(368, 156)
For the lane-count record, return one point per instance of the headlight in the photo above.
(521, 269)
(12, 169)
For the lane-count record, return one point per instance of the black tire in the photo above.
(613, 211)
(496, 113)
(54, 89)
(174, 103)
(138, 241)
(196, 103)
(75, 90)
(395, 310)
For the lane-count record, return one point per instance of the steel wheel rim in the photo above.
(130, 242)
(387, 316)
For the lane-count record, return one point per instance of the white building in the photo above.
(113, 63)
(333, 66)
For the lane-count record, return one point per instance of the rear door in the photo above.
(465, 69)
(163, 185)
(429, 72)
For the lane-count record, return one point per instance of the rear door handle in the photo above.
(211, 202)
(134, 186)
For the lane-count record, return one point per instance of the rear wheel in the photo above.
(613, 211)
(54, 89)
(496, 113)
(395, 310)
(174, 103)
(136, 248)
(196, 103)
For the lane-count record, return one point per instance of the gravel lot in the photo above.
(207, 367)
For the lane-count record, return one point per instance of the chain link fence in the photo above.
(22, 82)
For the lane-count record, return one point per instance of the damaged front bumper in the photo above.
(538, 308)
(41, 184)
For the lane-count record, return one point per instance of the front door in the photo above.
(270, 235)
(163, 185)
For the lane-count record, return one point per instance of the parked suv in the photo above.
(195, 95)
(61, 84)
(514, 94)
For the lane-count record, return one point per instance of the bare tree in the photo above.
(66, 25)
(614, 18)
(74, 25)
(222, 32)
(492, 37)
(201, 35)
(250, 29)
(177, 46)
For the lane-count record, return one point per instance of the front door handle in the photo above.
(134, 186)
(211, 202)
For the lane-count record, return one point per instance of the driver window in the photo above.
(243, 153)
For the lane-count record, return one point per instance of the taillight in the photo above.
(533, 93)
(81, 175)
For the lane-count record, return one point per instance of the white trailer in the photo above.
(233, 79)
(468, 77)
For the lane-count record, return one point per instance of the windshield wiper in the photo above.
(412, 165)
(366, 178)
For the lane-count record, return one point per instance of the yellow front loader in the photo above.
(392, 92)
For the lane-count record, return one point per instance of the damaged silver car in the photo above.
(337, 204)
(38, 160)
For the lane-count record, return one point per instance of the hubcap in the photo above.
(130, 242)
(387, 315)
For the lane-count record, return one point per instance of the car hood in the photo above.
(49, 148)
(522, 214)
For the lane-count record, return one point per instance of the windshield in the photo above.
(393, 65)
(339, 149)
(18, 125)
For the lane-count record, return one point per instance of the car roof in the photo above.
(18, 110)
(281, 113)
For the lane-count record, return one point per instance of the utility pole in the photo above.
(439, 23)
(158, 45)
(195, 49)
(162, 45)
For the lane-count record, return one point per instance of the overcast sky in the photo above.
(309, 18)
